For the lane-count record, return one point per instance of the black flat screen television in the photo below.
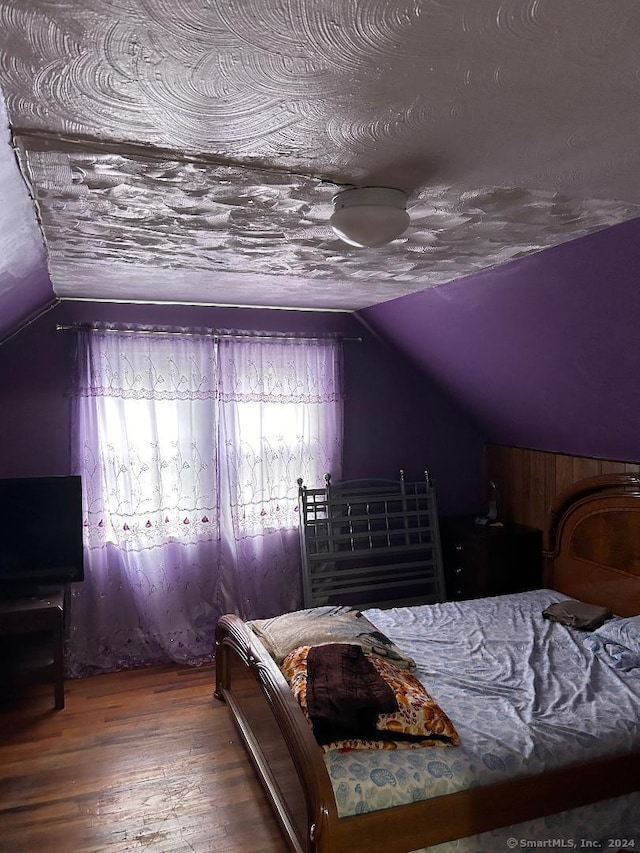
(40, 534)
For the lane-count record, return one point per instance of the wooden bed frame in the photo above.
(592, 554)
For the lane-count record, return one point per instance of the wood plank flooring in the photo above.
(143, 760)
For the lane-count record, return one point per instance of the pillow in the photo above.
(577, 614)
(419, 720)
(326, 624)
(617, 643)
(625, 631)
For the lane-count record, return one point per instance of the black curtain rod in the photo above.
(204, 333)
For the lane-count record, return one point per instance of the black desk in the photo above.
(46, 613)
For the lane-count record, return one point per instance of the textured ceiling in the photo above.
(188, 150)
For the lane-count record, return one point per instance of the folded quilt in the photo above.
(318, 625)
(345, 693)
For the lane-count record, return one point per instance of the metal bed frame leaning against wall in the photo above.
(370, 543)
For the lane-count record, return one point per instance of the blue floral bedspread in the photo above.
(525, 695)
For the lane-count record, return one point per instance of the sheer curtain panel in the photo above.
(189, 451)
(281, 418)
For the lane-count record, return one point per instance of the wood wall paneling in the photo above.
(527, 481)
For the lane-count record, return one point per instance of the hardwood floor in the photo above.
(143, 760)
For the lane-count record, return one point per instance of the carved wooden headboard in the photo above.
(593, 543)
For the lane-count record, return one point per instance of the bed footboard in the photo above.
(276, 734)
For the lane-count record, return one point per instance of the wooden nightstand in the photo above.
(482, 561)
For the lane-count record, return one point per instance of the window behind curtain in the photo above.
(281, 419)
(145, 438)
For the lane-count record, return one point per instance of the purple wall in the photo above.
(394, 417)
(24, 297)
(543, 352)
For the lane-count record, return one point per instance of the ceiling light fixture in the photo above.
(369, 216)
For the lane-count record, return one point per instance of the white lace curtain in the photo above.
(189, 450)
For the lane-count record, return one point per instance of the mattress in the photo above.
(525, 695)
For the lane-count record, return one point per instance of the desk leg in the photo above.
(58, 663)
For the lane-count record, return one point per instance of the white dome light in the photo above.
(369, 216)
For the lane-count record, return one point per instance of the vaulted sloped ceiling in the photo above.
(188, 151)
(24, 282)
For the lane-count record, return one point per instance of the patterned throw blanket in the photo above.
(319, 625)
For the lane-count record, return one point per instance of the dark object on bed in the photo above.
(370, 543)
(591, 556)
(345, 694)
(577, 614)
